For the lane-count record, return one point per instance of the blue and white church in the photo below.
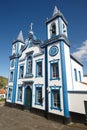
(44, 77)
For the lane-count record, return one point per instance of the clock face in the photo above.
(53, 50)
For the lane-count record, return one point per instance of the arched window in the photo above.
(29, 70)
(12, 63)
(53, 29)
(11, 76)
(14, 49)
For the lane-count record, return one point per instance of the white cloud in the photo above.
(81, 53)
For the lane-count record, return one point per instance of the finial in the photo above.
(55, 10)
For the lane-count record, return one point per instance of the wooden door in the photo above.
(28, 98)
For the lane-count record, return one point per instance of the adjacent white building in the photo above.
(2, 94)
(44, 77)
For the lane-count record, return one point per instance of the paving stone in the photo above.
(15, 119)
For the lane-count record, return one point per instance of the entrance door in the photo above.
(28, 98)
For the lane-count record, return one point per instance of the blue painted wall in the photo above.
(15, 81)
(64, 80)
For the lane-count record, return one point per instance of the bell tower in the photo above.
(56, 25)
(57, 51)
(17, 46)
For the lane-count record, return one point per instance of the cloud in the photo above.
(81, 53)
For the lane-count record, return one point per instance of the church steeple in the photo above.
(56, 25)
(20, 36)
(18, 43)
(55, 11)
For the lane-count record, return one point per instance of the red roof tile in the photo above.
(2, 91)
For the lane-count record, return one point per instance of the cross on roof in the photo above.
(31, 25)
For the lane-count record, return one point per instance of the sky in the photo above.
(16, 15)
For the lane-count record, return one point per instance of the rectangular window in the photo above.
(54, 70)
(9, 93)
(21, 72)
(38, 95)
(39, 69)
(12, 63)
(11, 76)
(75, 74)
(53, 30)
(55, 99)
(20, 93)
(80, 76)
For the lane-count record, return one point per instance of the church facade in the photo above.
(44, 77)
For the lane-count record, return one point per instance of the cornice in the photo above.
(59, 14)
(60, 37)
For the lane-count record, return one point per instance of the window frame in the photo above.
(56, 89)
(27, 73)
(38, 87)
(18, 95)
(14, 49)
(11, 79)
(22, 65)
(9, 97)
(12, 62)
(51, 70)
(29, 63)
(37, 62)
(80, 78)
(51, 30)
(75, 74)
